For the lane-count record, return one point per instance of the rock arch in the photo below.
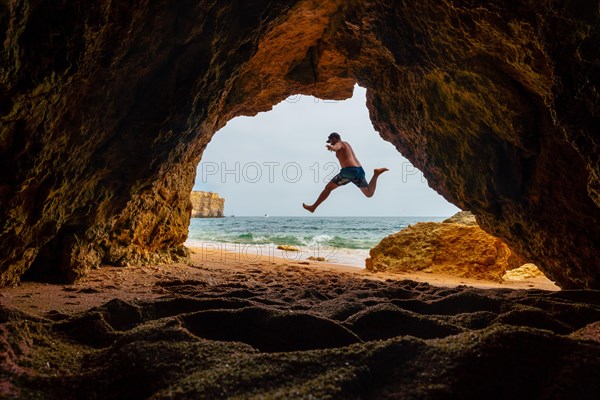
(106, 107)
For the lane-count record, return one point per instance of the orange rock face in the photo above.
(106, 108)
(454, 249)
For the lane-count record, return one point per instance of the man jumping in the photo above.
(351, 171)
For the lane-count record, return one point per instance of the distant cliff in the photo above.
(206, 205)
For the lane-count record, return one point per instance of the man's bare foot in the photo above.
(379, 171)
(309, 208)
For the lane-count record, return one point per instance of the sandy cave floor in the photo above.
(139, 282)
(229, 327)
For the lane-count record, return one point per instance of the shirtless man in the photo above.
(351, 171)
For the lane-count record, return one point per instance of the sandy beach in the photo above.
(139, 282)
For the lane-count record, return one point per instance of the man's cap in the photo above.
(333, 135)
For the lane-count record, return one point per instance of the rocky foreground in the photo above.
(292, 332)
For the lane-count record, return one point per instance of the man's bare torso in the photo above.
(346, 156)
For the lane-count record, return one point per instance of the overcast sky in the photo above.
(275, 161)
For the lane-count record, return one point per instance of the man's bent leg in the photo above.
(324, 194)
(369, 191)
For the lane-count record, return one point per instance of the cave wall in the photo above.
(106, 107)
(488, 102)
(105, 110)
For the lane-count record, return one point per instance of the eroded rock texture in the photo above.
(106, 107)
(289, 333)
(448, 248)
(206, 204)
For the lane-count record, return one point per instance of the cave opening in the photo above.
(105, 167)
(264, 167)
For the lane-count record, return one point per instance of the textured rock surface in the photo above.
(463, 218)
(106, 107)
(287, 334)
(460, 250)
(206, 205)
(525, 271)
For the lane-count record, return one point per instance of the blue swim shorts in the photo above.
(355, 175)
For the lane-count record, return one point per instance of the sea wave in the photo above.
(312, 241)
(361, 233)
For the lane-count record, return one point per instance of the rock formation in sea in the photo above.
(206, 204)
(106, 108)
(457, 246)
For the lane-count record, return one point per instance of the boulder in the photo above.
(461, 250)
(525, 271)
(463, 218)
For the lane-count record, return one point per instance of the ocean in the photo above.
(344, 240)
